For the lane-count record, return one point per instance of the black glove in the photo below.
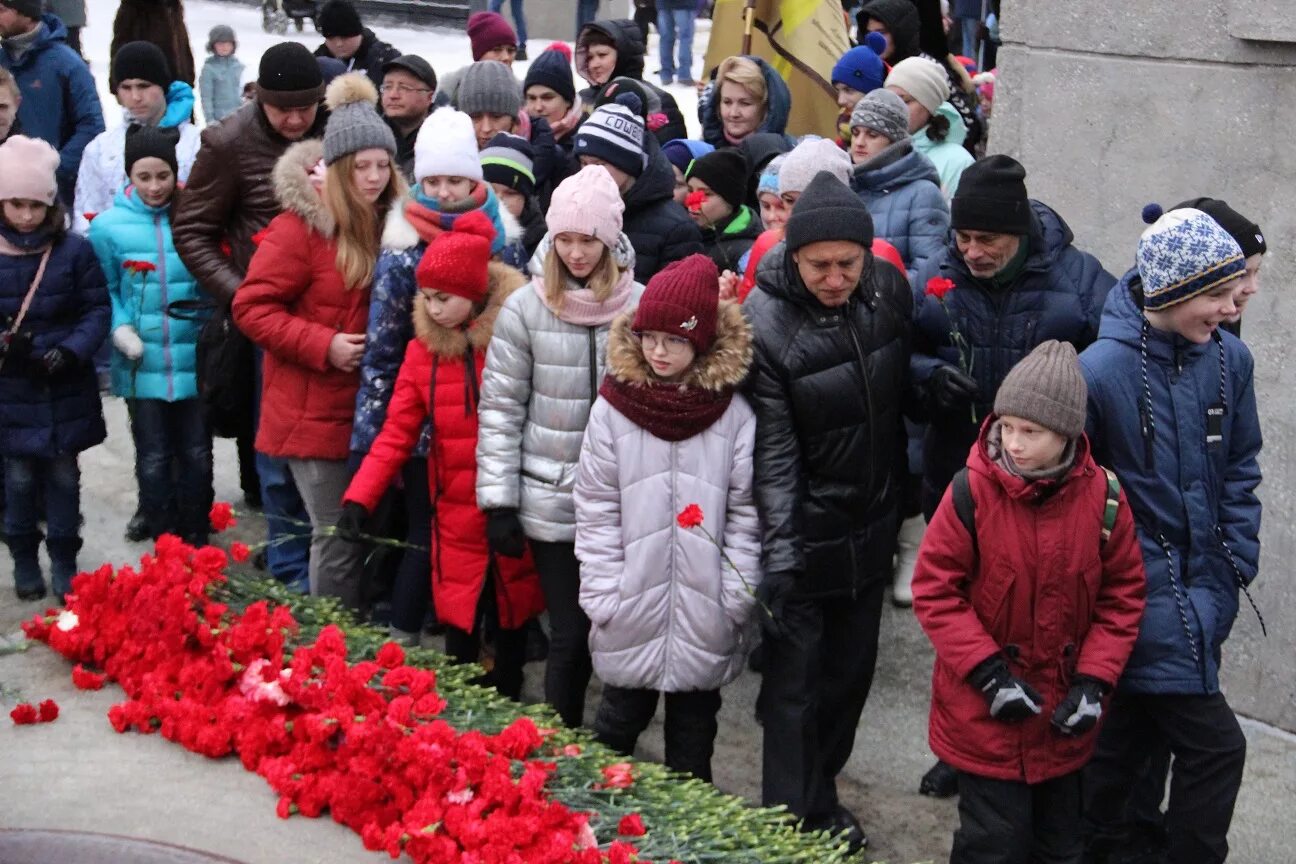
(1080, 711)
(351, 523)
(504, 533)
(773, 593)
(56, 361)
(950, 390)
(1009, 697)
(16, 345)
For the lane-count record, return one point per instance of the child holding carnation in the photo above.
(460, 292)
(54, 315)
(668, 603)
(1029, 584)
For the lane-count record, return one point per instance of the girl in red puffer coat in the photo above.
(460, 293)
(1030, 585)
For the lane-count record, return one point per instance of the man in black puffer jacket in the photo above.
(829, 381)
(658, 227)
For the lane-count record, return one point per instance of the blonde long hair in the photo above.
(602, 279)
(358, 223)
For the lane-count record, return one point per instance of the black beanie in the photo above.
(991, 196)
(619, 87)
(828, 210)
(142, 60)
(552, 69)
(145, 141)
(725, 171)
(27, 8)
(338, 18)
(1247, 233)
(289, 77)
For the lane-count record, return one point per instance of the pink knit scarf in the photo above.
(579, 306)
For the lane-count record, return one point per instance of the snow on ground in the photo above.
(444, 48)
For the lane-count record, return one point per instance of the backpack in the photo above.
(965, 505)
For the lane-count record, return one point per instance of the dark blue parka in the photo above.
(1193, 497)
(40, 416)
(1059, 294)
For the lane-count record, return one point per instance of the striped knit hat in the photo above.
(615, 134)
(507, 160)
(1183, 254)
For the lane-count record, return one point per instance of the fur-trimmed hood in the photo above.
(293, 187)
(399, 234)
(725, 365)
(501, 281)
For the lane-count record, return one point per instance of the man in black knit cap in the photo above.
(348, 40)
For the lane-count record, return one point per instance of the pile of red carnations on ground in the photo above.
(362, 740)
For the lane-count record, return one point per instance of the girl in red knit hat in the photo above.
(461, 291)
(669, 596)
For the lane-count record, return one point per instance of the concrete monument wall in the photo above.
(1111, 106)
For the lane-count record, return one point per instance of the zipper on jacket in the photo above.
(166, 319)
(868, 394)
(593, 363)
(670, 566)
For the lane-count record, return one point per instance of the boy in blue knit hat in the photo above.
(1172, 409)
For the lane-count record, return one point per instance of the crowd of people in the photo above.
(679, 393)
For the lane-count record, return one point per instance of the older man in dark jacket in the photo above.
(229, 201)
(831, 334)
(348, 40)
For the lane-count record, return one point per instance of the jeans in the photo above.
(813, 690)
(690, 730)
(568, 670)
(1010, 822)
(287, 524)
(335, 564)
(519, 17)
(59, 478)
(1209, 752)
(167, 432)
(970, 26)
(673, 24)
(586, 11)
(412, 591)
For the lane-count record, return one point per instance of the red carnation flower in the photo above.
(618, 775)
(24, 714)
(939, 286)
(390, 655)
(690, 516)
(49, 711)
(694, 200)
(631, 825)
(136, 266)
(240, 552)
(84, 679)
(222, 516)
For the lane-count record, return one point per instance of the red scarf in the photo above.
(672, 412)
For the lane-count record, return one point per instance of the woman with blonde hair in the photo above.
(745, 97)
(543, 369)
(305, 303)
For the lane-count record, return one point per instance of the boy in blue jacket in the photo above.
(1172, 410)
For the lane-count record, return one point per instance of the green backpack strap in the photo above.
(1112, 506)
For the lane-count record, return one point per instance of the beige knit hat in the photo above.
(1046, 387)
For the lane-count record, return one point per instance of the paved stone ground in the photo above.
(77, 773)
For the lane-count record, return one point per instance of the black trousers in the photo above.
(1010, 822)
(412, 590)
(510, 645)
(813, 690)
(568, 669)
(1209, 752)
(690, 730)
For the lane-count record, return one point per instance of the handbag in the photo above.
(226, 366)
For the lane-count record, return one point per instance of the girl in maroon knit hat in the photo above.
(666, 526)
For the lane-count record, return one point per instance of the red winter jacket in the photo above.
(1046, 593)
(772, 237)
(435, 367)
(291, 304)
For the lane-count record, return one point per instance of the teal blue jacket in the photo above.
(131, 230)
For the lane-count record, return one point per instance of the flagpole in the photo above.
(749, 15)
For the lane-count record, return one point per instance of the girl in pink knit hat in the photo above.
(54, 315)
(543, 369)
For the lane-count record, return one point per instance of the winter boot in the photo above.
(137, 529)
(63, 564)
(404, 638)
(29, 582)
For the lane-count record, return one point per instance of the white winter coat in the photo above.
(541, 378)
(668, 613)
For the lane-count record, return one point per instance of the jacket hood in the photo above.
(957, 131)
(901, 17)
(779, 105)
(55, 31)
(625, 35)
(293, 188)
(656, 183)
(980, 461)
(761, 147)
(623, 255)
(897, 165)
(724, 366)
(1122, 321)
(451, 343)
(179, 105)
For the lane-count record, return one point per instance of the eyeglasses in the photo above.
(651, 341)
(403, 89)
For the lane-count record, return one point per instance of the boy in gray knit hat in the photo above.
(1030, 585)
(491, 96)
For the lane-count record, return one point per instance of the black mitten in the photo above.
(504, 533)
(1080, 711)
(1008, 697)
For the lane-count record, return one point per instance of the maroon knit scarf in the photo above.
(669, 411)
